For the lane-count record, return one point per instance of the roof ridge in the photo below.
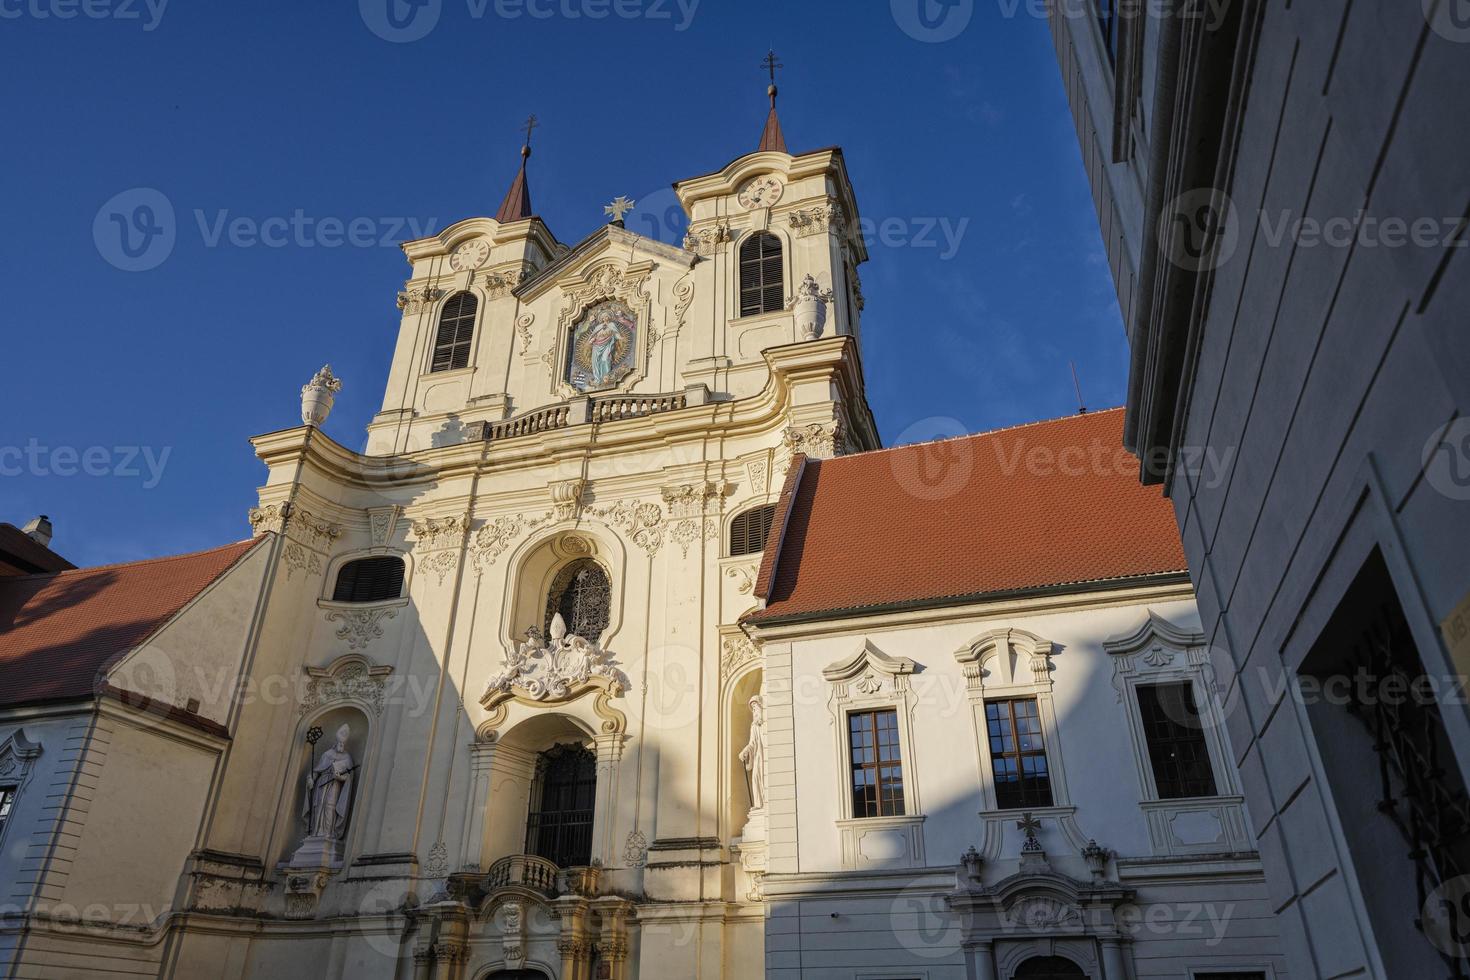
(974, 435)
(131, 564)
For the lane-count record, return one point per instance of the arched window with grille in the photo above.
(559, 825)
(456, 329)
(582, 594)
(369, 579)
(749, 530)
(761, 287)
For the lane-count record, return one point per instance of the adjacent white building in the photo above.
(625, 651)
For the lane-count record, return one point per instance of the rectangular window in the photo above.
(7, 799)
(877, 769)
(1107, 22)
(1017, 754)
(1176, 741)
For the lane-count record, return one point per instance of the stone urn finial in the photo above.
(808, 303)
(317, 396)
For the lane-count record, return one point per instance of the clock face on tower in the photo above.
(470, 255)
(761, 192)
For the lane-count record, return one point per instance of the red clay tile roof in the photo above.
(59, 631)
(1054, 503)
(20, 554)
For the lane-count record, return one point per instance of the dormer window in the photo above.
(761, 287)
(456, 329)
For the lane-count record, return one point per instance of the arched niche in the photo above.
(533, 571)
(738, 712)
(324, 724)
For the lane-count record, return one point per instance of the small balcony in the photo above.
(531, 872)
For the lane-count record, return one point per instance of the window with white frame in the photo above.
(7, 800)
(879, 817)
(1188, 790)
(1017, 754)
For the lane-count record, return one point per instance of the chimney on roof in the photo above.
(38, 529)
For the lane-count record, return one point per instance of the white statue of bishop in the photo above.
(329, 790)
(754, 754)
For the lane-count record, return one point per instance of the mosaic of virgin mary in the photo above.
(603, 344)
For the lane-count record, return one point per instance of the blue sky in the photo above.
(130, 395)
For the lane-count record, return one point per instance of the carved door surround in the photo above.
(1040, 911)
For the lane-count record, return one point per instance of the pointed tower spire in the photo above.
(771, 136)
(517, 203)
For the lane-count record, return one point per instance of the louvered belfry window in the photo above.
(369, 580)
(456, 328)
(761, 288)
(749, 530)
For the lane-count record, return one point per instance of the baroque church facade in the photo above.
(624, 650)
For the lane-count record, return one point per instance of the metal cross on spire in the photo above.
(531, 123)
(770, 64)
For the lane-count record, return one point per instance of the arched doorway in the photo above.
(563, 797)
(1049, 968)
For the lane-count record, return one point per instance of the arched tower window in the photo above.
(369, 579)
(559, 826)
(583, 596)
(761, 286)
(749, 530)
(456, 327)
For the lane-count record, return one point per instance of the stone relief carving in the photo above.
(744, 576)
(347, 678)
(635, 849)
(431, 533)
(683, 296)
(566, 498)
(440, 564)
(816, 220)
(523, 327)
(816, 440)
(758, 472)
(708, 239)
(499, 282)
(299, 558)
(381, 522)
(736, 650)
(492, 539)
(416, 299)
(556, 668)
(360, 627)
(643, 522)
(437, 864)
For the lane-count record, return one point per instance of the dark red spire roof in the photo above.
(517, 203)
(772, 137)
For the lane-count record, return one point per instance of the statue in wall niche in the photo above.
(329, 790)
(754, 754)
